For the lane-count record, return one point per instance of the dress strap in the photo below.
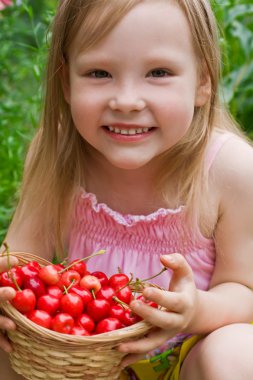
(215, 147)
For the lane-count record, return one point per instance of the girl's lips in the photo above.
(128, 133)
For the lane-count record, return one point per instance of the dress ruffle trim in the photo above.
(128, 219)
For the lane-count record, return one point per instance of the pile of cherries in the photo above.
(70, 299)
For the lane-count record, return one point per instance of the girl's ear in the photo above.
(64, 75)
(204, 89)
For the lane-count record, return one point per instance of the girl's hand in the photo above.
(6, 294)
(180, 304)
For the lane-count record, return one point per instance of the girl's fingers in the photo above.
(142, 346)
(5, 263)
(182, 272)
(6, 294)
(168, 300)
(160, 318)
(6, 323)
(5, 344)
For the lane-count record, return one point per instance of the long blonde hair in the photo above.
(56, 161)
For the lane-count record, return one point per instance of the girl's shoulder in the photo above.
(232, 167)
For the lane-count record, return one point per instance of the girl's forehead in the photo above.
(148, 19)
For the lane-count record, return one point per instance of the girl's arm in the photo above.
(230, 298)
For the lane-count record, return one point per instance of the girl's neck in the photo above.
(125, 191)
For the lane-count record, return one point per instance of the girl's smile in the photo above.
(133, 95)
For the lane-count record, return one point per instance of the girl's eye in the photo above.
(99, 74)
(159, 73)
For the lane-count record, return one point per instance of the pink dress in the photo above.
(135, 242)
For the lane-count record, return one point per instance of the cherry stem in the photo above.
(155, 275)
(93, 293)
(127, 284)
(69, 287)
(121, 303)
(100, 252)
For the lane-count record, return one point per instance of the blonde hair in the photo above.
(56, 160)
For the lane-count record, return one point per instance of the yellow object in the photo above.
(144, 369)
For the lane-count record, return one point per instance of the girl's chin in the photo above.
(128, 164)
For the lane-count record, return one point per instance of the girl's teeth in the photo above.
(131, 131)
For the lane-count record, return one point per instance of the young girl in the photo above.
(137, 155)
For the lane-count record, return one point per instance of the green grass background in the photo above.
(23, 47)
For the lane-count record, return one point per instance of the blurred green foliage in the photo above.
(23, 48)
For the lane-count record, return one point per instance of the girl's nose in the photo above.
(126, 101)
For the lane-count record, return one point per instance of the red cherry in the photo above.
(86, 322)
(40, 317)
(147, 302)
(108, 324)
(98, 309)
(48, 303)
(49, 274)
(91, 283)
(55, 291)
(124, 294)
(72, 304)
(118, 280)
(129, 318)
(106, 292)
(85, 294)
(79, 267)
(6, 278)
(63, 323)
(69, 277)
(80, 331)
(34, 264)
(101, 276)
(117, 311)
(29, 272)
(24, 301)
(36, 285)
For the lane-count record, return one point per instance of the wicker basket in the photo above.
(40, 353)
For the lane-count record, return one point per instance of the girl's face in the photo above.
(133, 95)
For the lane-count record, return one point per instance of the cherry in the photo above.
(147, 302)
(29, 272)
(124, 294)
(80, 331)
(68, 278)
(79, 266)
(91, 283)
(55, 291)
(86, 322)
(129, 318)
(34, 264)
(40, 317)
(12, 278)
(72, 304)
(49, 274)
(36, 285)
(106, 292)
(101, 276)
(117, 311)
(98, 309)
(85, 294)
(48, 303)
(108, 324)
(118, 280)
(63, 323)
(24, 301)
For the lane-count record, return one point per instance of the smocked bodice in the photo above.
(135, 242)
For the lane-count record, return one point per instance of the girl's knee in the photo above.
(221, 354)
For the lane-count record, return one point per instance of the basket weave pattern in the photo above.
(40, 353)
